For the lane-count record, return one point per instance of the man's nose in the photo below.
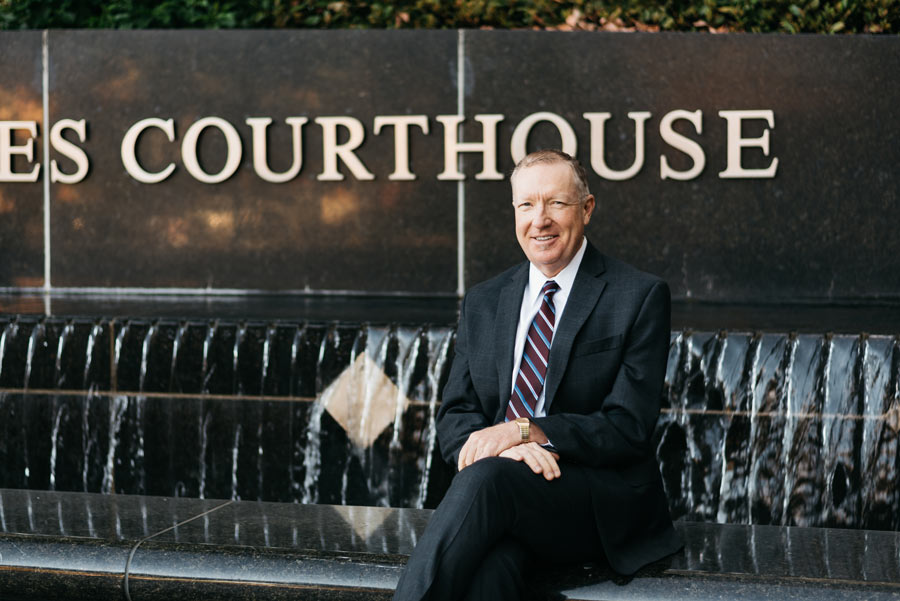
(540, 218)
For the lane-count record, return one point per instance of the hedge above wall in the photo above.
(809, 16)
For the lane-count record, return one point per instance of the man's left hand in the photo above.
(539, 459)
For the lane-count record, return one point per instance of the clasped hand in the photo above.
(502, 440)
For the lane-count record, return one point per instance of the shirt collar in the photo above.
(564, 279)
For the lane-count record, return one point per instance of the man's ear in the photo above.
(588, 208)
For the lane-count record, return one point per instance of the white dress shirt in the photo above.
(531, 303)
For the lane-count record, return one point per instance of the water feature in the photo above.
(798, 430)
(760, 428)
(240, 410)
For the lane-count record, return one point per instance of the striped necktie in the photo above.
(535, 355)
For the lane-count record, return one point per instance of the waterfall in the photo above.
(8, 330)
(312, 455)
(438, 347)
(756, 428)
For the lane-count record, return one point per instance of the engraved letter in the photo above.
(453, 147)
(129, 160)
(260, 164)
(682, 143)
(69, 150)
(7, 150)
(401, 125)
(733, 170)
(598, 161)
(233, 150)
(518, 144)
(331, 150)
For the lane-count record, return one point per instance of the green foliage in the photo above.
(792, 16)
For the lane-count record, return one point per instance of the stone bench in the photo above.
(88, 546)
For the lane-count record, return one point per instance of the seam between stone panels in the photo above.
(190, 396)
(45, 138)
(219, 292)
(461, 184)
(138, 544)
(892, 416)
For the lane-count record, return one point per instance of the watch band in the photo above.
(524, 428)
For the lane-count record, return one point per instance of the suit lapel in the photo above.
(509, 305)
(586, 291)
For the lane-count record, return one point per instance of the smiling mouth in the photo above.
(543, 238)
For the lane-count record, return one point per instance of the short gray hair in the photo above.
(550, 155)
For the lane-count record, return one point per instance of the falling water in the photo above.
(237, 385)
(206, 372)
(410, 347)
(266, 355)
(805, 428)
(37, 333)
(312, 456)
(118, 405)
(59, 376)
(204, 442)
(260, 453)
(96, 331)
(378, 343)
(176, 347)
(8, 330)
(438, 345)
(364, 338)
(88, 441)
(54, 444)
(296, 461)
(207, 344)
(137, 447)
(880, 451)
(234, 464)
(299, 338)
(405, 370)
(756, 428)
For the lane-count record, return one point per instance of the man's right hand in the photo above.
(488, 442)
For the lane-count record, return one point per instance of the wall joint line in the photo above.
(461, 184)
(45, 139)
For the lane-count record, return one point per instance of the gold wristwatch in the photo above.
(524, 428)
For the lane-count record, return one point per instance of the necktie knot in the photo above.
(550, 288)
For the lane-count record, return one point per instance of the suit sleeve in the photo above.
(461, 411)
(620, 431)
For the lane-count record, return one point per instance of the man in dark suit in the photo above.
(549, 409)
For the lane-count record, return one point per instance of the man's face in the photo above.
(550, 218)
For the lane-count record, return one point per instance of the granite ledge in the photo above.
(199, 549)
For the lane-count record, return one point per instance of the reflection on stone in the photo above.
(335, 207)
(364, 520)
(246, 232)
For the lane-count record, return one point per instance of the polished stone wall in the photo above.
(21, 204)
(821, 228)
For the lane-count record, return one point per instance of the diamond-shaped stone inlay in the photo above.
(364, 401)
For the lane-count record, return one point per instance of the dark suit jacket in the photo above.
(602, 394)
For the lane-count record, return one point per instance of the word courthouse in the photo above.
(18, 138)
